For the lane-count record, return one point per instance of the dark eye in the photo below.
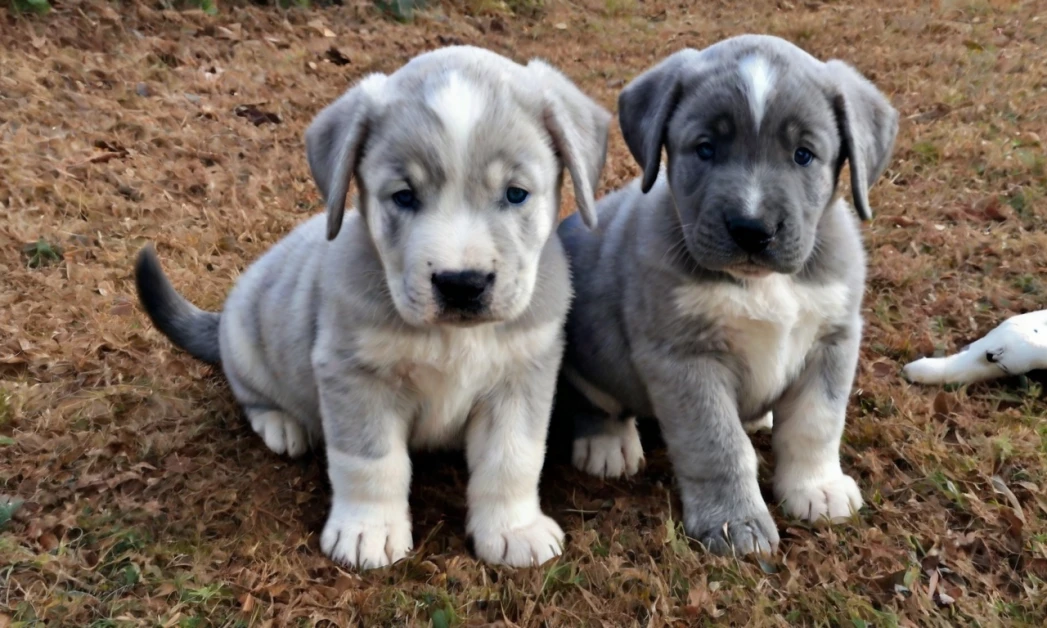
(405, 199)
(515, 196)
(706, 151)
(803, 157)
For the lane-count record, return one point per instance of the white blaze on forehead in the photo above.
(759, 80)
(459, 104)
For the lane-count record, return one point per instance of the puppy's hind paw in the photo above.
(527, 546)
(832, 500)
(366, 537)
(613, 452)
(281, 432)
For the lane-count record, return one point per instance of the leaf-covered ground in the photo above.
(133, 493)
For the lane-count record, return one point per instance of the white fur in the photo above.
(753, 196)
(281, 433)
(449, 368)
(459, 104)
(808, 479)
(772, 322)
(613, 452)
(459, 240)
(504, 518)
(766, 422)
(374, 86)
(1017, 345)
(759, 78)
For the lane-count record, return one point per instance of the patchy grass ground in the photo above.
(146, 500)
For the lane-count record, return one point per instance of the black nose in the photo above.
(751, 235)
(462, 290)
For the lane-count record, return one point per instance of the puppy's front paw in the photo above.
(281, 433)
(834, 499)
(752, 534)
(366, 537)
(612, 452)
(529, 545)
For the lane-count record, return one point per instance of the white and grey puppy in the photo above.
(431, 317)
(731, 286)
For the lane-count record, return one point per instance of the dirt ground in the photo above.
(147, 500)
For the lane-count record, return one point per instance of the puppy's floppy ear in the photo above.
(578, 127)
(868, 128)
(334, 144)
(644, 107)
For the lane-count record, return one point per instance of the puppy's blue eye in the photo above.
(405, 199)
(516, 196)
(706, 151)
(803, 157)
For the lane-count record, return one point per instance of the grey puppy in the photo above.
(730, 286)
(431, 317)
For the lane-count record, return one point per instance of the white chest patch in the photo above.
(770, 323)
(445, 371)
(460, 104)
(759, 78)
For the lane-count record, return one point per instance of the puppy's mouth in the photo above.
(748, 270)
(464, 318)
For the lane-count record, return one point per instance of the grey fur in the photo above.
(673, 319)
(336, 333)
(186, 325)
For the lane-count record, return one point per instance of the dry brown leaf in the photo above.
(48, 541)
(942, 404)
(884, 369)
(177, 464)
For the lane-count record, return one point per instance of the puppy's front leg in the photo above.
(505, 448)
(365, 433)
(713, 458)
(808, 425)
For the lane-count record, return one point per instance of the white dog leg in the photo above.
(505, 448)
(611, 450)
(1016, 346)
(808, 480)
(369, 525)
(808, 426)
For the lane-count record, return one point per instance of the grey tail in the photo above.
(187, 326)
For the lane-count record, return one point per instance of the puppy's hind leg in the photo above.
(281, 432)
(606, 446)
